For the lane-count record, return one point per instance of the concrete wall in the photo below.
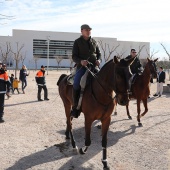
(26, 37)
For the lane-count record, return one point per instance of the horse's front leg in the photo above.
(145, 106)
(88, 124)
(67, 107)
(138, 111)
(127, 110)
(105, 127)
(69, 126)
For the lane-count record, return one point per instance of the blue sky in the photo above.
(127, 20)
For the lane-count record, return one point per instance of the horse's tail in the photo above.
(60, 78)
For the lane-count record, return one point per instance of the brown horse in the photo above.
(141, 90)
(98, 100)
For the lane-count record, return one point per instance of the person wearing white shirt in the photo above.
(160, 82)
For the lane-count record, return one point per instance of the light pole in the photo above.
(48, 43)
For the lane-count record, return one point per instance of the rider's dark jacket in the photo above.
(85, 50)
(135, 66)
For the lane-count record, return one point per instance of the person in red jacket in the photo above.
(4, 85)
(40, 79)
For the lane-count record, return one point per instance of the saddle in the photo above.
(85, 77)
(135, 77)
(83, 83)
(70, 78)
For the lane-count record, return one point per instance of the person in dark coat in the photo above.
(11, 81)
(4, 86)
(23, 77)
(85, 50)
(136, 67)
(160, 81)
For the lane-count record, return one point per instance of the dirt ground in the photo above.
(32, 137)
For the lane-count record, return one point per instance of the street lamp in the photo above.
(48, 42)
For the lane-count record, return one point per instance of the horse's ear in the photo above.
(115, 59)
(156, 60)
(148, 59)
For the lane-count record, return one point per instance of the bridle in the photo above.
(150, 68)
(115, 85)
(98, 81)
(116, 91)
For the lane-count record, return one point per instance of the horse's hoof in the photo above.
(130, 117)
(75, 150)
(99, 126)
(67, 137)
(81, 151)
(106, 168)
(140, 125)
(115, 113)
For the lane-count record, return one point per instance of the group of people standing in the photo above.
(8, 83)
(15, 82)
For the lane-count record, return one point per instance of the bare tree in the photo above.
(168, 56)
(5, 52)
(105, 47)
(153, 52)
(17, 56)
(121, 53)
(28, 67)
(23, 57)
(140, 49)
(35, 59)
(165, 50)
(71, 61)
(58, 59)
(5, 17)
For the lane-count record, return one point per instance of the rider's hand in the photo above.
(84, 62)
(97, 62)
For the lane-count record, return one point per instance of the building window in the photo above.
(56, 48)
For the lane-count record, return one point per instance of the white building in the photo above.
(59, 49)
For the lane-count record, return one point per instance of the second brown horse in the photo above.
(140, 89)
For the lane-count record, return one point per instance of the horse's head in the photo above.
(122, 76)
(152, 67)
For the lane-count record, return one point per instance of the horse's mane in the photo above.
(107, 63)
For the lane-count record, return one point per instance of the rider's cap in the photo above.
(85, 26)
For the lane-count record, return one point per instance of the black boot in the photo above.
(74, 112)
(1, 118)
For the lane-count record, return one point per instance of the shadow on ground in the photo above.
(64, 150)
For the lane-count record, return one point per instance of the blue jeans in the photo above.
(24, 84)
(79, 73)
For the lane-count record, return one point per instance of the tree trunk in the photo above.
(16, 67)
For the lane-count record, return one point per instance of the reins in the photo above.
(96, 78)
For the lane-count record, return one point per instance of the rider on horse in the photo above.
(85, 50)
(136, 66)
